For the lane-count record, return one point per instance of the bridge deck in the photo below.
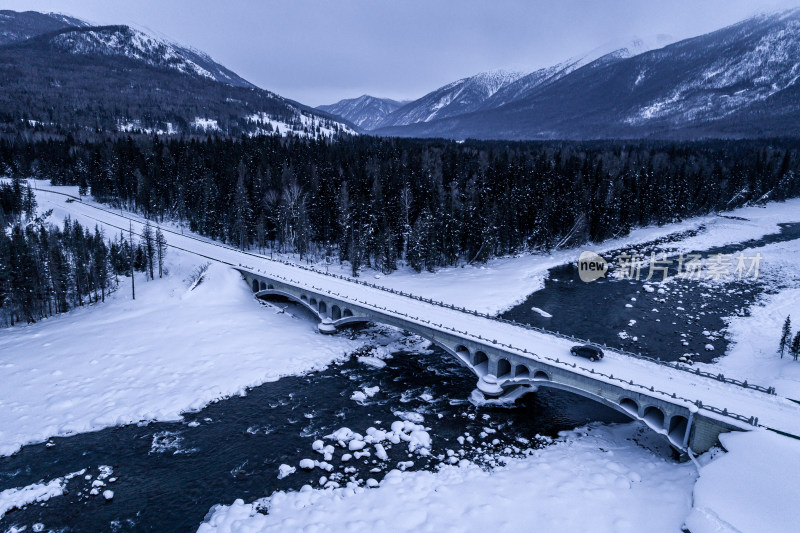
(772, 411)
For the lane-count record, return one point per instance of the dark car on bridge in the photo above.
(592, 353)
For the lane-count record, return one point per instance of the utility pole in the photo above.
(133, 284)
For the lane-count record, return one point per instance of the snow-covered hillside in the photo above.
(304, 124)
(71, 74)
(605, 54)
(740, 81)
(461, 96)
(762, 59)
(124, 41)
(16, 26)
(366, 111)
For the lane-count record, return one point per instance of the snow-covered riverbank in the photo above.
(593, 479)
(753, 353)
(751, 489)
(171, 350)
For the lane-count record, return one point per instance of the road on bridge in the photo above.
(772, 411)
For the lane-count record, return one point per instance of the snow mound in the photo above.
(751, 489)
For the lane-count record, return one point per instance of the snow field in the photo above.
(751, 489)
(616, 486)
(169, 351)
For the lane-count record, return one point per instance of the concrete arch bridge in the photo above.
(688, 410)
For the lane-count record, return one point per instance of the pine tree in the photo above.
(795, 349)
(786, 335)
(148, 242)
(131, 260)
(241, 207)
(161, 250)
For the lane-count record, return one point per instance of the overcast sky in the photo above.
(318, 52)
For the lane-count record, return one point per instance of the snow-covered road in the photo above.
(772, 411)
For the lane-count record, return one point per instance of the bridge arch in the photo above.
(322, 308)
(630, 405)
(503, 368)
(346, 313)
(541, 375)
(263, 286)
(300, 301)
(522, 371)
(654, 417)
(336, 312)
(480, 362)
(462, 352)
(677, 429)
(255, 285)
(547, 382)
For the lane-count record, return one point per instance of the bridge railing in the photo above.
(676, 365)
(552, 360)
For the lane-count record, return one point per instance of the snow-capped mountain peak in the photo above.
(125, 41)
(762, 61)
(133, 81)
(365, 111)
(606, 53)
(461, 96)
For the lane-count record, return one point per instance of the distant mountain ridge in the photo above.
(456, 98)
(485, 90)
(737, 82)
(366, 111)
(60, 72)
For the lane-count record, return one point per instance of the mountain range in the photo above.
(737, 82)
(60, 72)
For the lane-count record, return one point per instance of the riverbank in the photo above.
(174, 349)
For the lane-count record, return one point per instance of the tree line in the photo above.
(47, 269)
(429, 203)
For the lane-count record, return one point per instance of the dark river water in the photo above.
(168, 475)
(679, 317)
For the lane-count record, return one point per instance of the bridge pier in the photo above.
(326, 327)
(488, 386)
